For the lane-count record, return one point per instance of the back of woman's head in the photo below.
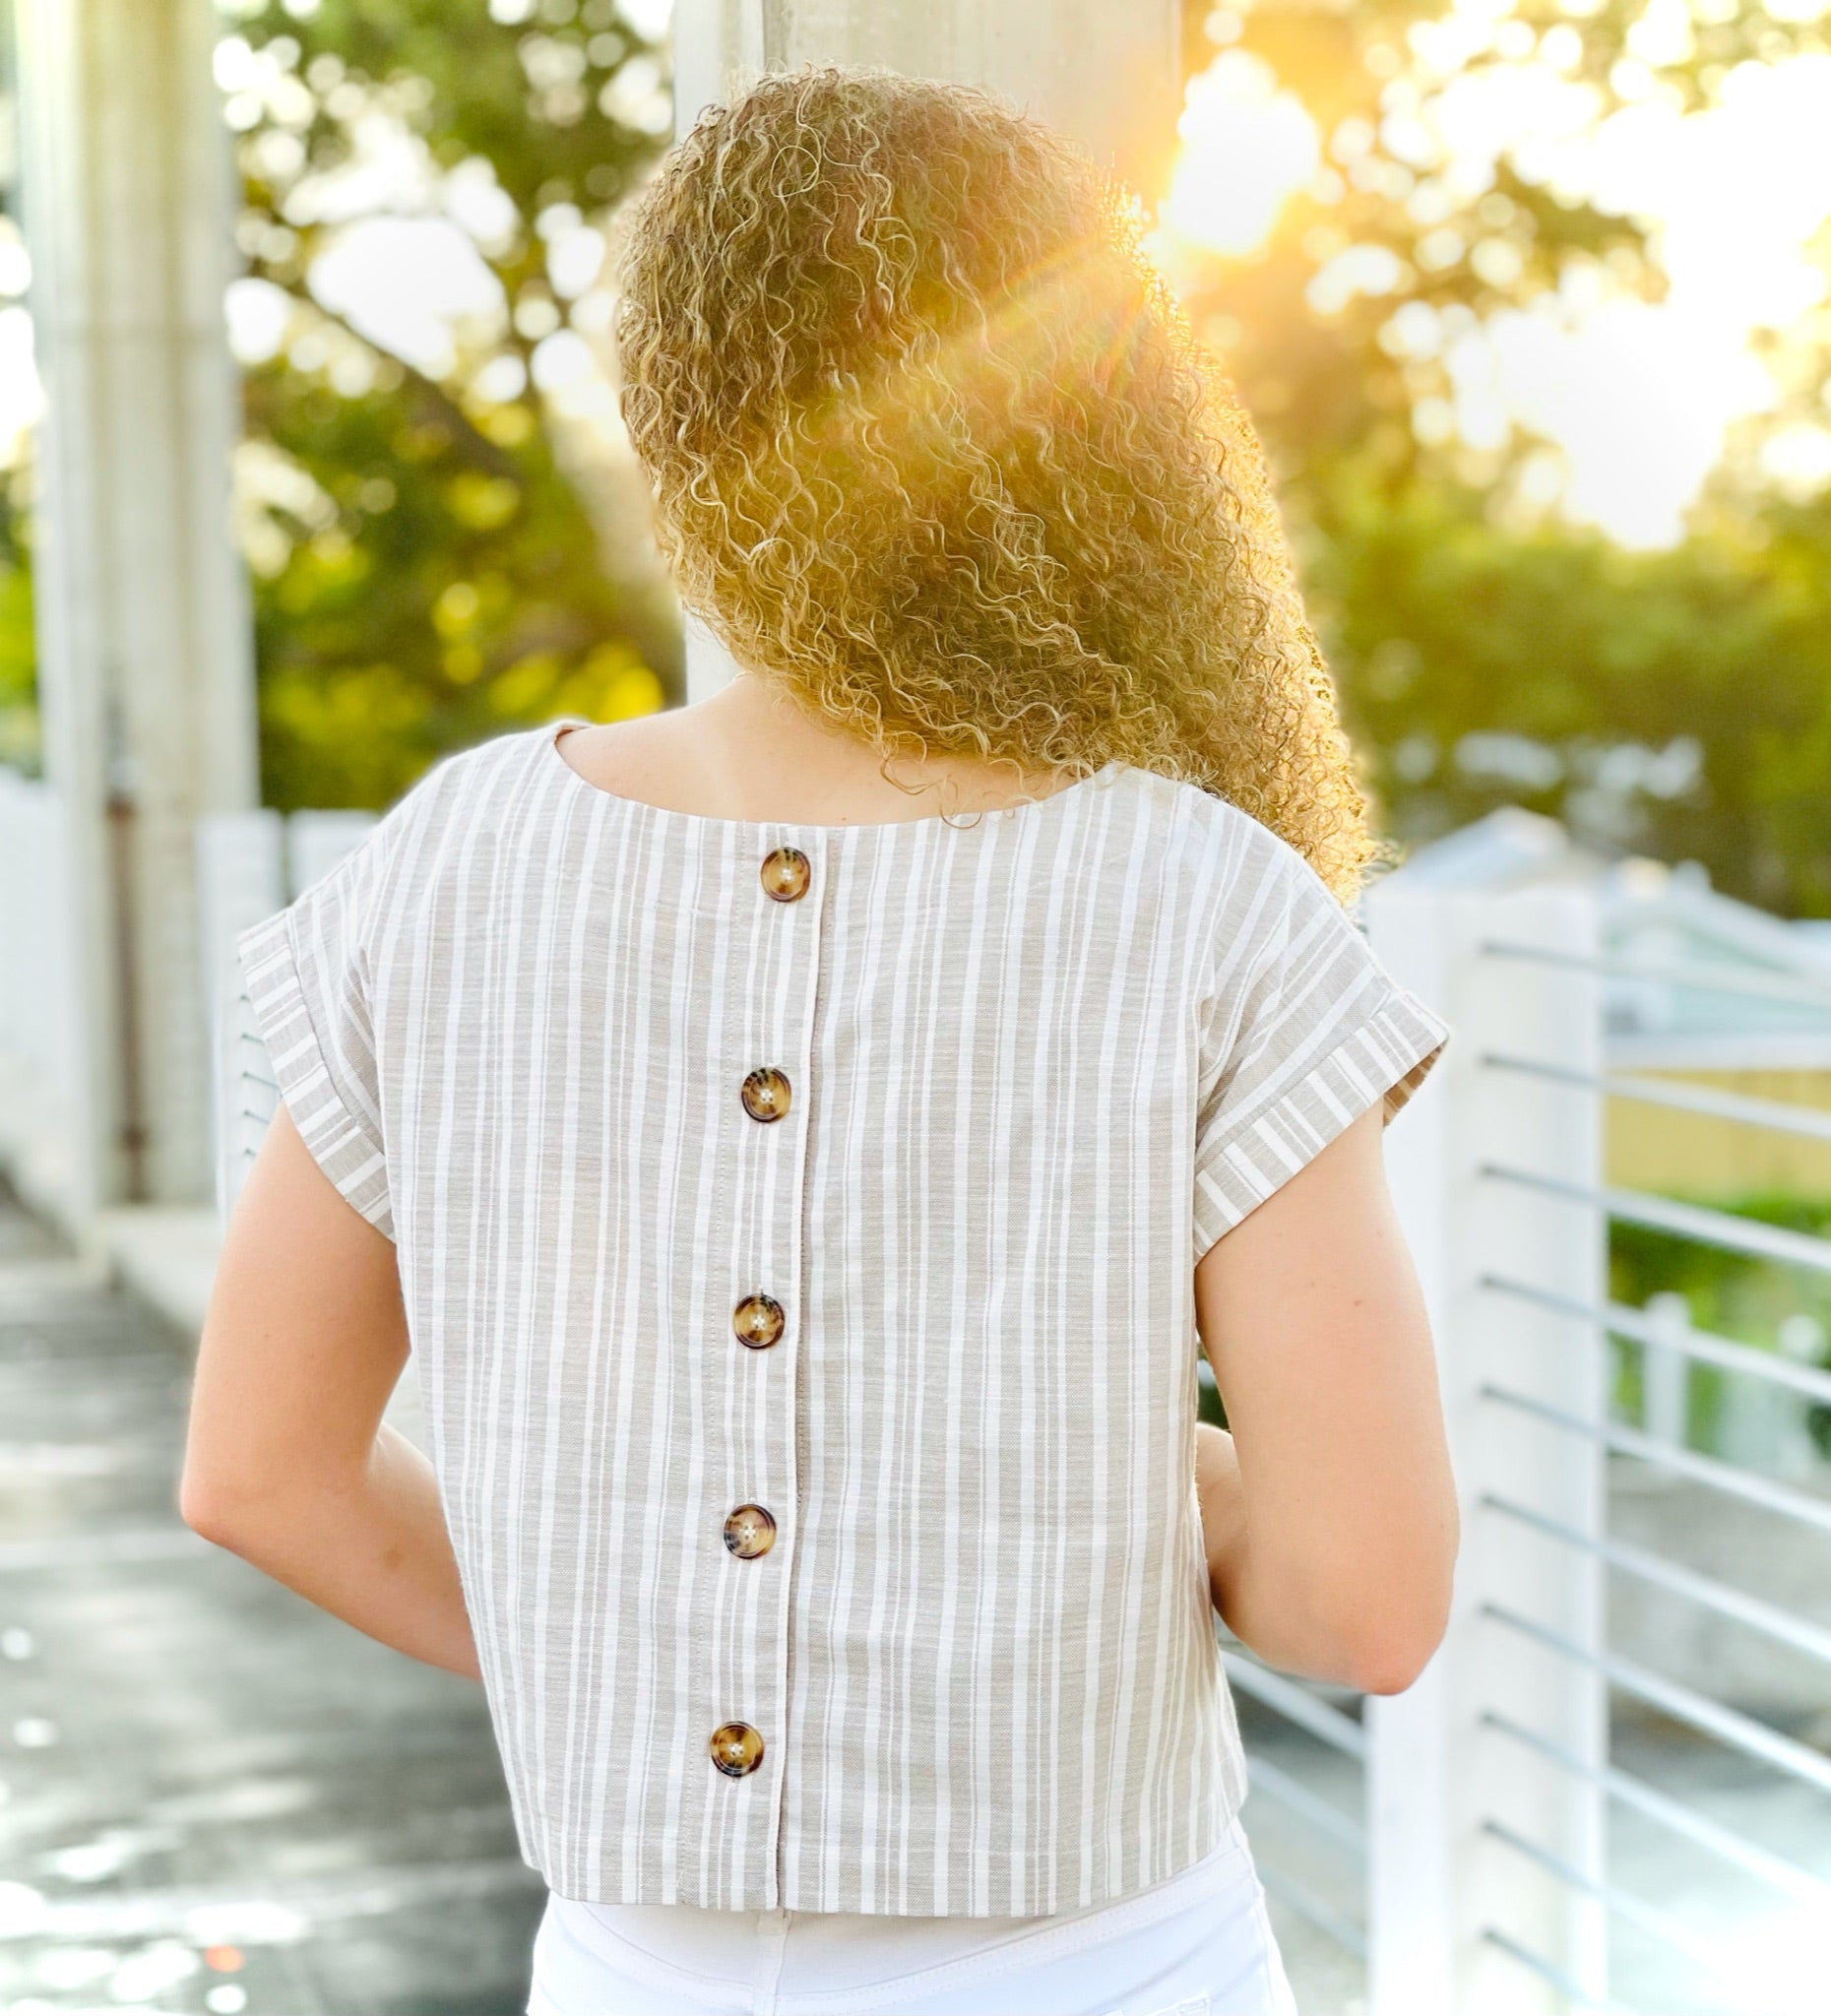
(932, 444)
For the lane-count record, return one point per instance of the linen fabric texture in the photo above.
(1038, 1063)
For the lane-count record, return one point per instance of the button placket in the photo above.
(757, 1539)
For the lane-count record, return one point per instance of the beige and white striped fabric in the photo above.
(1029, 1068)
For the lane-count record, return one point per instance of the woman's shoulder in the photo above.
(469, 787)
(1224, 844)
(506, 761)
(1237, 888)
(470, 790)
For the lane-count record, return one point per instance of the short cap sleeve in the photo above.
(1305, 1031)
(306, 971)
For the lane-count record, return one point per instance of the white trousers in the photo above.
(1196, 1945)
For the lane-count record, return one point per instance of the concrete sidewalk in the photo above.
(212, 1796)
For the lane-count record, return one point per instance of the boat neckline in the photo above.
(988, 815)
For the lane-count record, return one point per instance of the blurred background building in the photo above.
(311, 473)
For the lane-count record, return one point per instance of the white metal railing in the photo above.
(1646, 1326)
(1487, 1888)
(1691, 1099)
(1689, 1221)
(1783, 990)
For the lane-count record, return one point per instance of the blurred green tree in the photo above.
(437, 585)
(433, 557)
(1675, 701)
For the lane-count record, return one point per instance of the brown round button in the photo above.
(736, 1748)
(757, 1322)
(766, 1094)
(785, 872)
(749, 1532)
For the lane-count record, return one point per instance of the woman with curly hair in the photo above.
(806, 1139)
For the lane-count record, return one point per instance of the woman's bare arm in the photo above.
(1331, 1518)
(288, 1462)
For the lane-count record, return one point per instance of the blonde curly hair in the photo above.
(932, 445)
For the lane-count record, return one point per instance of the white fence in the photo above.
(1476, 1845)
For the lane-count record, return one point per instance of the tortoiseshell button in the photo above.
(757, 1322)
(749, 1532)
(736, 1748)
(785, 872)
(766, 1094)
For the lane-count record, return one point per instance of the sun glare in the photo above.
(1637, 398)
(1247, 147)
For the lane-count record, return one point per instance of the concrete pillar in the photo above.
(1108, 72)
(145, 656)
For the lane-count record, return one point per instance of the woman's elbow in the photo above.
(234, 1504)
(1384, 1651)
(214, 1507)
(1390, 1663)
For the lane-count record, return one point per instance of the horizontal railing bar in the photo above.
(1727, 1726)
(1703, 1345)
(1660, 1925)
(1566, 1985)
(1691, 1099)
(1262, 1775)
(1705, 1226)
(1754, 1490)
(1706, 979)
(1677, 1580)
(1666, 1811)
(1694, 1222)
(1328, 1724)
(1307, 1904)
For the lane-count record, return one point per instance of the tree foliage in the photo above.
(438, 585)
(1675, 701)
(431, 563)
(426, 567)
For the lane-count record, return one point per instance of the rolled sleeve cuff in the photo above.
(1384, 1057)
(343, 1144)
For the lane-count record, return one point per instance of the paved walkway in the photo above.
(212, 1797)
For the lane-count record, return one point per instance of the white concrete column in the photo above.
(145, 658)
(1108, 72)
(1450, 1796)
